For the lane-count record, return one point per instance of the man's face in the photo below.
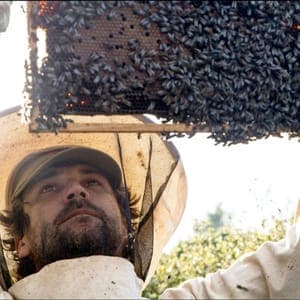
(73, 212)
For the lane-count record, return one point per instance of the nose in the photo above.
(75, 192)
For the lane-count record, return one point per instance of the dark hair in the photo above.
(16, 221)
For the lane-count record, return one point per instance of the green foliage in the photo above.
(207, 251)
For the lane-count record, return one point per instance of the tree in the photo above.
(216, 219)
(211, 248)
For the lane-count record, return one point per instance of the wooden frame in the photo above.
(81, 127)
(124, 127)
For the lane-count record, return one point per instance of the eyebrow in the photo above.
(45, 174)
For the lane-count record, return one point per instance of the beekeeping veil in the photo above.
(151, 169)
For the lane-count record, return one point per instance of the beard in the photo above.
(102, 238)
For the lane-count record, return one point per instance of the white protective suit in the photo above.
(272, 272)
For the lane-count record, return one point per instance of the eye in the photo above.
(92, 182)
(48, 188)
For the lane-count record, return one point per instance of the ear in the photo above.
(22, 247)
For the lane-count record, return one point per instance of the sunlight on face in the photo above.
(73, 212)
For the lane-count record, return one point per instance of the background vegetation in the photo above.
(214, 245)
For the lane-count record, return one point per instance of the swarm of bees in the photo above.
(232, 66)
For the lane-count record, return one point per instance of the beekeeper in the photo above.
(87, 216)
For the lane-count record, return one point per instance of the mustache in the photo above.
(74, 205)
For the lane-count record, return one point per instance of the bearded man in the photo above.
(76, 231)
(96, 228)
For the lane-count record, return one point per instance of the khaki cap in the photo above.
(38, 161)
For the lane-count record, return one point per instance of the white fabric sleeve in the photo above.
(5, 295)
(4, 14)
(271, 272)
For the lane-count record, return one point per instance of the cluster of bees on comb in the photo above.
(232, 66)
